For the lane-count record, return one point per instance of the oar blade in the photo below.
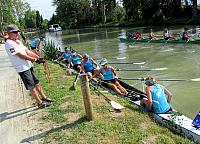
(196, 79)
(116, 105)
(160, 69)
(139, 63)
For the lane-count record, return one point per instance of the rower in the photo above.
(156, 100)
(152, 35)
(76, 61)
(108, 75)
(35, 44)
(167, 34)
(138, 35)
(66, 56)
(88, 65)
(185, 35)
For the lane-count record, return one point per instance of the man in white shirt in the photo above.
(22, 58)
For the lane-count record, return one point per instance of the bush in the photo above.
(50, 51)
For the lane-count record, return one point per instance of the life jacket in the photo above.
(88, 66)
(160, 104)
(107, 75)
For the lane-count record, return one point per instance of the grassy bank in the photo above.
(67, 118)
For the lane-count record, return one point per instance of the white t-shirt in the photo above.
(14, 47)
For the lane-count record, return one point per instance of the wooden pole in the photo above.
(86, 96)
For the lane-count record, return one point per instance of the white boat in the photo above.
(55, 28)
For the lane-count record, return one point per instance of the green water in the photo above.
(182, 60)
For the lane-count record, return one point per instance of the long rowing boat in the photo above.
(173, 120)
(195, 40)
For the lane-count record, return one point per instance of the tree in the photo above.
(30, 19)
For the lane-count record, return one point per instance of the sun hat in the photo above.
(85, 55)
(74, 53)
(12, 28)
(66, 48)
(103, 62)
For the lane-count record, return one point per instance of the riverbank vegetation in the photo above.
(84, 13)
(67, 123)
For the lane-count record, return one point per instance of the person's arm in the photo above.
(169, 94)
(80, 56)
(32, 54)
(82, 67)
(38, 44)
(94, 62)
(26, 57)
(96, 73)
(149, 97)
(114, 72)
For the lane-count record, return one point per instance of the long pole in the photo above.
(86, 96)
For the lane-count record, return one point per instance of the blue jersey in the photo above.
(88, 66)
(34, 42)
(160, 104)
(107, 75)
(67, 56)
(76, 60)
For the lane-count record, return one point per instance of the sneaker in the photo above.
(44, 104)
(47, 100)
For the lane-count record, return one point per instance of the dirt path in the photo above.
(18, 117)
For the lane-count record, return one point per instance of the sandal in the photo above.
(47, 100)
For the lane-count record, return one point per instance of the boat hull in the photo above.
(195, 40)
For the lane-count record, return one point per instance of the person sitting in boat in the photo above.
(88, 65)
(76, 61)
(138, 35)
(35, 44)
(108, 75)
(66, 56)
(167, 34)
(185, 35)
(152, 35)
(130, 34)
(156, 100)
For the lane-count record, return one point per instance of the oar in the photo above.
(156, 69)
(142, 79)
(114, 104)
(135, 63)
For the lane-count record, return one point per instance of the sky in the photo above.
(43, 6)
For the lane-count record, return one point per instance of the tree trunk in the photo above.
(194, 10)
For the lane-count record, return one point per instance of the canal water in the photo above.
(181, 60)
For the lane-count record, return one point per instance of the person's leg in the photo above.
(35, 95)
(122, 89)
(40, 91)
(114, 87)
(144, 102)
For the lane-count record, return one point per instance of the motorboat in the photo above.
(55, 28)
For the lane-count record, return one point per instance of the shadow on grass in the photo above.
(43, 134)
(8, 115)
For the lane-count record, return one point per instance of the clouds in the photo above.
(43, 6)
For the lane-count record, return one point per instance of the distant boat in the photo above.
(55, 28)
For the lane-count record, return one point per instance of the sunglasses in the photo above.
(15, 32)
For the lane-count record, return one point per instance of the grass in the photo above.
(69, 125)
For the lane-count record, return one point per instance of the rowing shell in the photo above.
(174, 120)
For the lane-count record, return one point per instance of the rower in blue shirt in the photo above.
(35, 44)
(108, 75)
(156, 100)
(66, 56)
(76, 61)
(88, 65)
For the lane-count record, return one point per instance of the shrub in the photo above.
(50, 50)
